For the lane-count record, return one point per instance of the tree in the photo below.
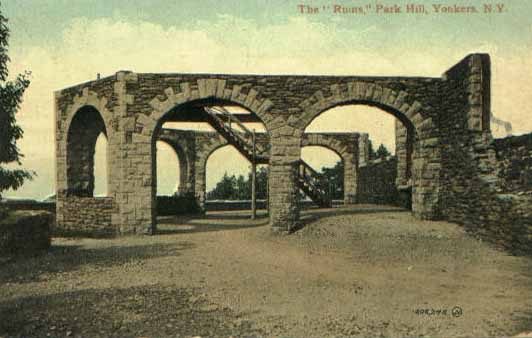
(11, 93)
(335, 177)
(239, 188)
(225, 189)
(382, 152)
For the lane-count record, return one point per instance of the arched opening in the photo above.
(168, 169)
(197, 126)
(228, 176)
(85, 128)
(385, 149)
(328, 163)
(100, 166)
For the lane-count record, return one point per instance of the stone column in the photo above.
(283, 175)
(136, 165)
(426, 178)
(350, 179)
(402, 149)
(200, 183)
(186, 180)
(363, 149)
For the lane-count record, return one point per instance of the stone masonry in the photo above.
(193, 149)
(444, 120)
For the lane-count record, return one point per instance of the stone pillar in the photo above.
(282, 181)
(200, 180)
(186, 180)
(350, 179)
(426, 179)
(136, 163)
(402, 149)
(363, 149)
(362, 160)
(350, 159)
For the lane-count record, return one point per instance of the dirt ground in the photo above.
(352, 271)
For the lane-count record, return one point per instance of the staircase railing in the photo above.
(227, 121)
(314, 184)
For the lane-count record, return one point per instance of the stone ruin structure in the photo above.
(193, 149)
(445, 154)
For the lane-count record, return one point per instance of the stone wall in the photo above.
(86, 215)
(485, 182)
(198, 146)
(25, 233)
(514, 159)
(28, 205)
(133, 107)
(377, 182)
(496, 205)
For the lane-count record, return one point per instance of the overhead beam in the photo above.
(196, 114)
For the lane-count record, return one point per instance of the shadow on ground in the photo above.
(64, 258)
(522, 320)
(312, 215)
(215, 221)
(152, 310)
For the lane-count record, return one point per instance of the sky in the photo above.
(65, 42)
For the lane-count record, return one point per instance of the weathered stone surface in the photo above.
(444, 151)
(376, 182)
(196, 147)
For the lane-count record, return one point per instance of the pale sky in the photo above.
(66, 42)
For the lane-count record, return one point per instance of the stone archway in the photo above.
(186, 172)
(80, 122)
(83, 131)
(345, 145)
(441, 113)
(85, 118)
(209, 91)
(419, 127)
(205, 150)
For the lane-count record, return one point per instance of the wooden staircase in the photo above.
(312, 183)
(236, 134)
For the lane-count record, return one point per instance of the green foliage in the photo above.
(382, 152)
(239, 188)
(335, 177)
(177, 204)
(11, 93)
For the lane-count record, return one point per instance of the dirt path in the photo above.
(360, 271)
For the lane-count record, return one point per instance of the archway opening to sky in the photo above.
(328, 163)
(86, 129)
(378, 124)
(384, 155)
(230, 179)
(100, 166)
(183, 167)
(168, 169)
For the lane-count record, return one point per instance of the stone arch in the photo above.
(413, 124)
(83, 130)
(347, 155)
(325, 142)
(185, 174)
(91, 99)
(371, 94)
(207, 89)
(202, 156)
(64, 117)
(422, 137)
